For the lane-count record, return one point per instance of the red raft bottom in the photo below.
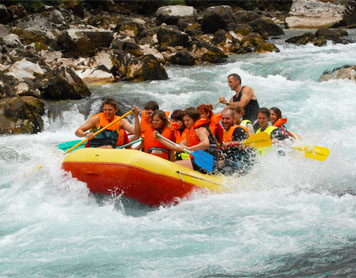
(140, 184)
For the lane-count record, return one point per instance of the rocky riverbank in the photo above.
(52, 54)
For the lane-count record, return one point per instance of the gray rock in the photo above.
(61, 84)
(215, 18)
(344, 72)
(171, 14)
(21, 115)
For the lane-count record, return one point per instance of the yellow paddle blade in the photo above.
(314, 152)
(259, 140)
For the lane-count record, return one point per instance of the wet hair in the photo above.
(177, 115)
(151, 105)
(237, 108)
(192, 112)
(162, 115)
(235, 76)
(233, 111)
(265, 111)
(277, 111)
(110, 101)
(206, 108)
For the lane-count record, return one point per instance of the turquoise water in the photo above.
(289, 217)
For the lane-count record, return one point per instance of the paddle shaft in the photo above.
(129, 144)
(99, 131)
(175, 144)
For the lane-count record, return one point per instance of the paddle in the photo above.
(99, 131)
(66, 145)
(201, 158)
(259, 140)
(313, 152)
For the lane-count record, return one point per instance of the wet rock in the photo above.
(146, 68)
(171, 36)
(323, 35)
(60, 84)
(344, 72)
(266, 29)
(320, 37)
(21, 115)
(183, 57)
(171, 14)
(84, 42)
(202, 51)
(215, 18)
(302, 39)
(254, 42)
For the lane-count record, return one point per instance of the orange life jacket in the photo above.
(280, 122)
(229, 133)
(113, 135)
(191, 136)
(146, 125)
(178, 134)
(154, 146)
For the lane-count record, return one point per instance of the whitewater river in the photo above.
(289, 217)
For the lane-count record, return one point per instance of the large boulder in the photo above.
(183, 58)
(129, 28)
(25, 70)
(323, 35)
(21, 115)
(41, 38)
(265, 28)
(84, 42)
(215, 18)
(145, 68)
(245, 16)
(321, 14)
(61, 84)
(6, 14)
(344, 72)
(171, 14)
(203, 51)
(12, 41)
(6, 83)
(171, 36)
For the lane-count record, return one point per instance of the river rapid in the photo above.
(288, 217)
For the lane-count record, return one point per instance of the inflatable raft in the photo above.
(137, 175)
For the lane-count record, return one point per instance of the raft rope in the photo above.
(192, 176)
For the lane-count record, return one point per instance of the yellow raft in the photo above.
(137, 175)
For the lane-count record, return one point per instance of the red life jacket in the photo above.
(154, 146)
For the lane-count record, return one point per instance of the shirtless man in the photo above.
(245, 97)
